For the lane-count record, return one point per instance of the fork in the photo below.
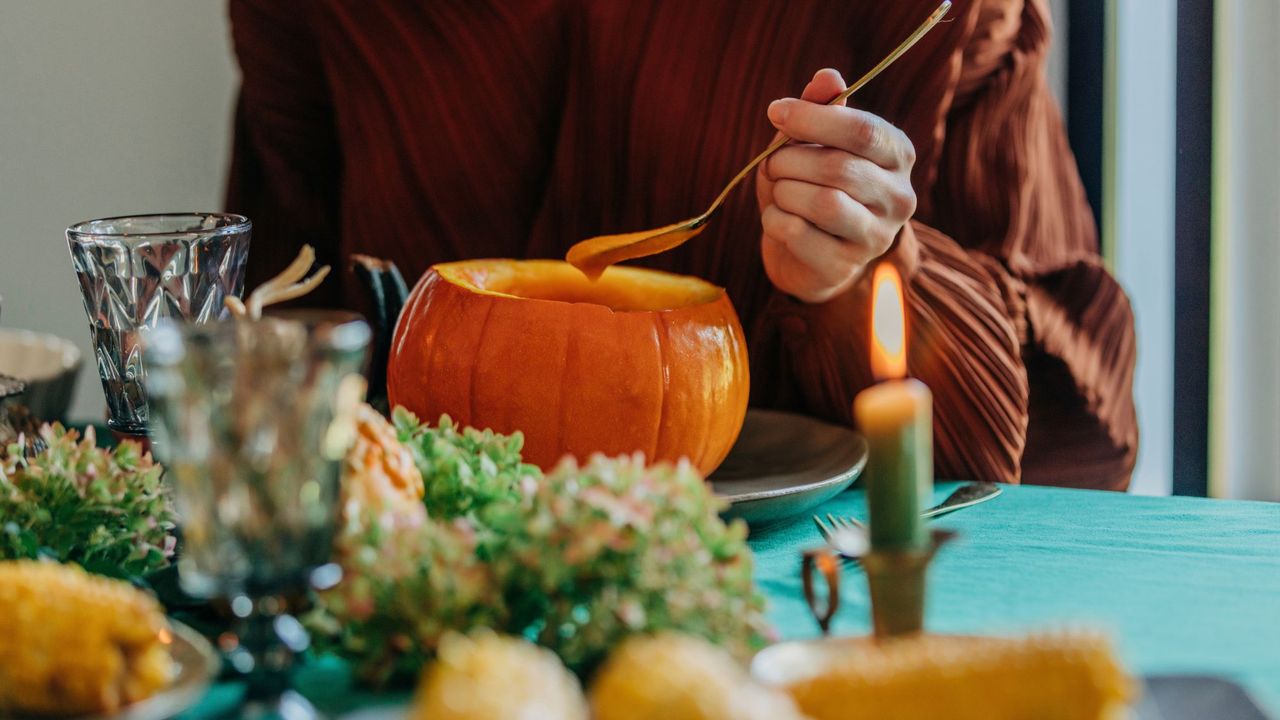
(836, 528)
(846, 536)
(837, 524)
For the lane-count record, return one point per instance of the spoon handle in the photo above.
(964, 496)
(889, 59)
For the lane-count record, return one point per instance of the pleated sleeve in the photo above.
(1015, 324)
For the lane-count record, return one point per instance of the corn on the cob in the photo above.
(72, 642)
(1058, 676)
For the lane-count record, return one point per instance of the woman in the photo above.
(437, 130)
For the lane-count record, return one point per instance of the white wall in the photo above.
(1139, 213)
(1245, 355)
(106, 108)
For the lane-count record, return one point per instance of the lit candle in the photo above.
(896, 415)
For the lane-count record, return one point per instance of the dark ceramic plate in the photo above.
(784, 465)
(1196, 697)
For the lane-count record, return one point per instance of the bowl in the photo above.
(48, 364)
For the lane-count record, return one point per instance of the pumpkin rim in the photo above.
(695, 291)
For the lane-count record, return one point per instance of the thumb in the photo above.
(826, 84)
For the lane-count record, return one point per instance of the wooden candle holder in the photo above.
(897, 582)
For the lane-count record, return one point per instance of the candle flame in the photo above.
(888, 324)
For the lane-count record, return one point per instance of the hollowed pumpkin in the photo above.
(637, 360)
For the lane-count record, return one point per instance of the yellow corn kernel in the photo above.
(77, 643)
(1056, 676)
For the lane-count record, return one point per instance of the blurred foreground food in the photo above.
(674, 676)
(72, 643)
(680, 677)
(668, 676)
(1056, 676)
(492, 676)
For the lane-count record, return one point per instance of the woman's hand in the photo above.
(834, 200)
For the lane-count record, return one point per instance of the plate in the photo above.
(1193, 697)
(784, 465)
(197, 664)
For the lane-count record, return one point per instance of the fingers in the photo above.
(833, 200)
(855, 131)
(885, 193)
(821, 260)
(831, 211)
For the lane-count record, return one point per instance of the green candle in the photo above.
(897, 418)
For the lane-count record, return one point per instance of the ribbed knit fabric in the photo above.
(428, 131)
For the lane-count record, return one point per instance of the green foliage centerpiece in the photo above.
(105, 510)
(575, 560)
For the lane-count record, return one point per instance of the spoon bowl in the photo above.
(594, 255)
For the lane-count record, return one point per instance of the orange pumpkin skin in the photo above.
(533, 346)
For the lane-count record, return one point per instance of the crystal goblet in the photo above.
(252, 420)
(136, 271)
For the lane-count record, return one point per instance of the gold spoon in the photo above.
(593, 255)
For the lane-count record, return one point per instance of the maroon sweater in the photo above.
(432, 130)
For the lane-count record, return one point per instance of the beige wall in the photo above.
(1138, 213)
(1057, 64)
(1245, 360)
(105, 108)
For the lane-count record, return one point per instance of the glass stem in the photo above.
(269, 642)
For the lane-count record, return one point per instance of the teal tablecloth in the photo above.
(1186, 585)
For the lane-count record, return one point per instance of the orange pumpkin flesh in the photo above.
(637, 360)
